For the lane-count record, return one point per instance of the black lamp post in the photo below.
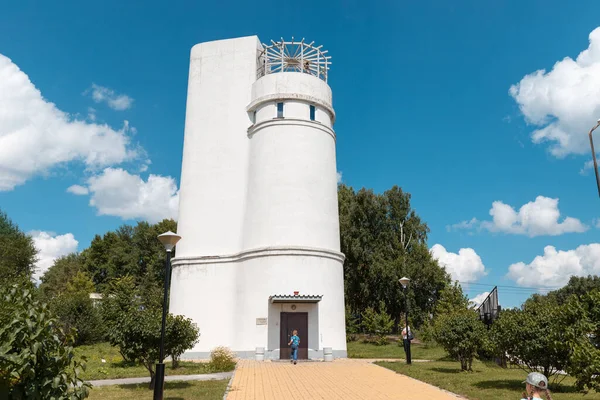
(594, 156)
(404, 282)
(169, 240)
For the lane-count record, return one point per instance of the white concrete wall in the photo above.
(292, 182)
(215, 152)
(206, 293)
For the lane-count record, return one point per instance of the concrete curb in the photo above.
(228, 388)
(374, 360)
(170, 378)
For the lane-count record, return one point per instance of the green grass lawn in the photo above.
(359, 349)
(206, 390)
(116, 367)
(488, 381)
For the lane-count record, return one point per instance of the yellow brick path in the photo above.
(341, 379)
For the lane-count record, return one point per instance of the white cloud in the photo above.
(118, 193)
(92, 114)
(555, 267)
(339, 176)
(36, 136)
(564, 103)
(472, 223)
(115, 101)
(587, 167)
(477, 300)
(50, 247)
(466, 266)
(536, 218)
(78, 190)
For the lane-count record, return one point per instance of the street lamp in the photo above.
(404, 282)
(169, 240)
(594, 156)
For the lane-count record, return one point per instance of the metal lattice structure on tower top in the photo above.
(293, 56)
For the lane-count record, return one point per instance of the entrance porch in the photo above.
(288, 313)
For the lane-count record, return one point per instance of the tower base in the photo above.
(256, 299)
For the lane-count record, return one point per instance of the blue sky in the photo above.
(421, 93)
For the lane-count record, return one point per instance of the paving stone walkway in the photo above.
(341, 379)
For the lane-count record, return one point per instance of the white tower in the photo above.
(258, 214)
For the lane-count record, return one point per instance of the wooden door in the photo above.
(290, 322)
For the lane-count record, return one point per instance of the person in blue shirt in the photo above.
(295, 343)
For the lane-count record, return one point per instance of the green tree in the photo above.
(578, 286)
(151, 256)
(378, 323)
(384, 239)
(361, 217)
(139, 335)
(55, 279)
(112, 255)
(75, 310)
(502, 336)
(138, 338)
(428, 280)
(451, 300)
(17, 253)
(133, 320)
(128, 251)
(36, 357)
(462, 335)
(119, 299)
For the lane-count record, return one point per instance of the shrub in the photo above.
(582, 321)
(75, 309)
(36, 356)
(377, 323)
(181, 334)
(222, 359)
(584, 366)
(461, 334)
(533, 338)
(351, 337)
(427, 333)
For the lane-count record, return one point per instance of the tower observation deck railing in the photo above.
(293, 56)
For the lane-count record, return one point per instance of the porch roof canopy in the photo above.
(288, 298)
